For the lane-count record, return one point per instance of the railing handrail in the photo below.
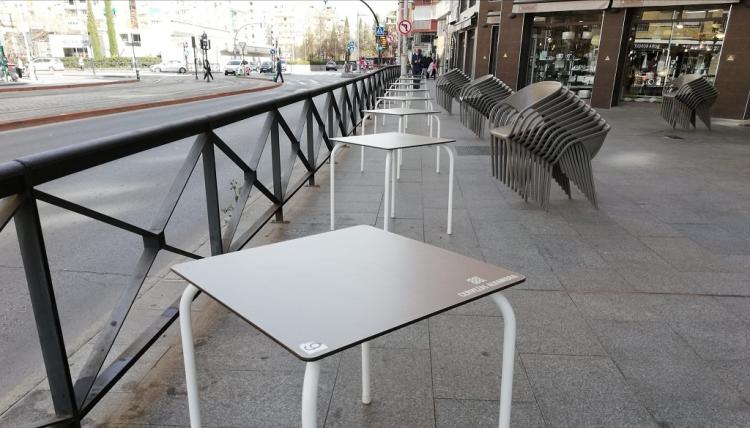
(55, 163)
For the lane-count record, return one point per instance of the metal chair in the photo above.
(448, 86)
(688, 96)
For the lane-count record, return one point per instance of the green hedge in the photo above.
(113, 62)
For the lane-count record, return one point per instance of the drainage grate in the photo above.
(473, 150)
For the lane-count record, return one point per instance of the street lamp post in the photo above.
(237, 31)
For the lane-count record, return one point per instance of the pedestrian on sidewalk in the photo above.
(278, 71)
(416, 66)
(207, 71)
(433, 70)
(19, 68)
(80, 62)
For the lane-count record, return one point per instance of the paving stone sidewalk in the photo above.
(635, 314)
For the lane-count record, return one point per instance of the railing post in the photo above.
(44, 306)
(344, 98)
(212, 197)
(276, 164)
(310, 143)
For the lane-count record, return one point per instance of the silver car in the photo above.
(169, 66)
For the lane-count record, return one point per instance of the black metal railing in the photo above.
(19, 193)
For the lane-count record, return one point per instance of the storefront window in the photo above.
(665, 43)
(564, 47)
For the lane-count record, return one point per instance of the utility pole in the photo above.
(195, 57)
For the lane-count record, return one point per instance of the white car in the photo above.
(233, 66)
(48, 64)
(172, 65)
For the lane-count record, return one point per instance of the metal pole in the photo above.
(404, 57)
(135, 60)
(195, 60)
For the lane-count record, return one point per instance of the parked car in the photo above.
(266, 67)
(49, 64)
(283, 66)
(331, 65)
(233, 66)
(171, 65)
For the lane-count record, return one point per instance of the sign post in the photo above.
(195, 57)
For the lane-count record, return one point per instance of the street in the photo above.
(90, 261)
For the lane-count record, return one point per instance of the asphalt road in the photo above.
(91, 261)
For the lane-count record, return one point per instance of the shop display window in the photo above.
(564, 47)
(666, 43)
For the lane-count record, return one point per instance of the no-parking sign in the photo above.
(404, 27)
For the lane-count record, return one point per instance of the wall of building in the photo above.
(733, 75)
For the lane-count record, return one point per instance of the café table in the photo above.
(402, 114)
(322, 294)
(390, 142)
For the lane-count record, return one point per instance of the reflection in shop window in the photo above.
(666, 43)
(564, 47)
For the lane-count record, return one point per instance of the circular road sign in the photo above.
(404, 26)
(391, 39)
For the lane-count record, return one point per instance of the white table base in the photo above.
(312, 369)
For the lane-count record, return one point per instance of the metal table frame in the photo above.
(312, 368)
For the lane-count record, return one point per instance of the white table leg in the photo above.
(509, 353)
(400, 156)
(310, 395)
(450, 187)
(394, 170)
(366, 398)
(188, 352)
(387, 195)
(437, 161)
(335, 150)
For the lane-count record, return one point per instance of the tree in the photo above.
(96, 45)
(111, 33)
(347, 36)
(366, 39)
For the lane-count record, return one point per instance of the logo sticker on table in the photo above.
(482, 284)
(311, 348)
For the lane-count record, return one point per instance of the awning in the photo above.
(658, 3)
(466, 23)
(542, 6)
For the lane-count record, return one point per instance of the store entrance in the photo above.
(666, 43)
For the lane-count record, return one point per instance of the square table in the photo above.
(390, 141)
(405, 100)
(319, 295)
(403, 113)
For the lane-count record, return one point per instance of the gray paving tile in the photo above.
(732, 284)
(687, 256)
(451, 413)
(549, 323)
(618, 306)
(590, 280)
(714, 238)
(643, 340)
(401, 390)
(738, 306)
(660, 279)
(228, 398)
(467, 359)
(568, 251)
(583, 391)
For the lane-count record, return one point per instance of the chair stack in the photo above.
(448, 87)
(545, 132)
(477, 100)
(690, 95)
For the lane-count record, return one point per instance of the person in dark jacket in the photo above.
(416, 65)
(207, 71)
(278, 71)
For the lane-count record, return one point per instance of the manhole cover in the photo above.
(674, 137)
(473, 150)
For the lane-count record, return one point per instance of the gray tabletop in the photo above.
(321, 294)
(399, 111)
(392, 140)
(404, 98)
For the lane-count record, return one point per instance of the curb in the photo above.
(64, 117)
(64, 86)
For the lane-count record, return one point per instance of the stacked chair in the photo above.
(545, 132)
(448, 86)
(477, 100)
(690, 95)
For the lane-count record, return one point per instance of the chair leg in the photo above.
(451, 158)
(509, 354)
(310, 395)
(333, 181)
